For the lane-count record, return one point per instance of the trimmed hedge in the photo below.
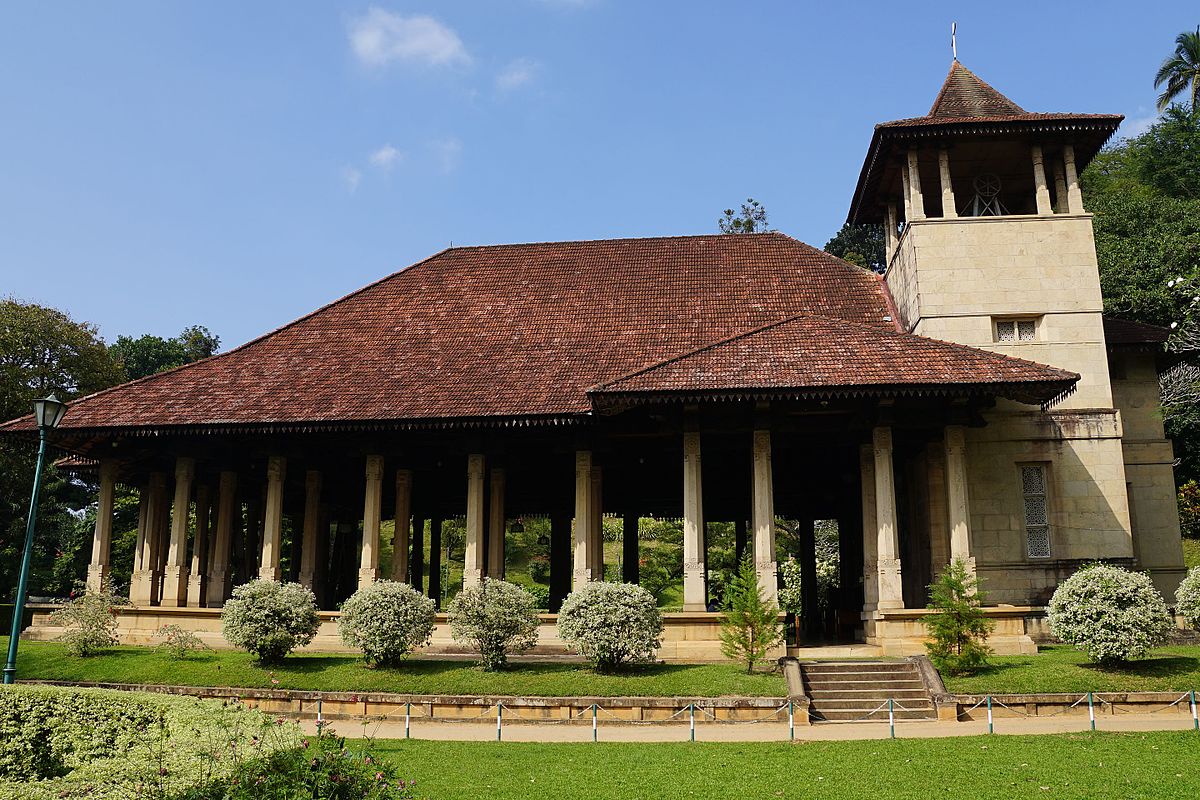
(62, 743)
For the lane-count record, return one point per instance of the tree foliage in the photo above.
(751, 218)
(1180, 71)
(959, 628)
(750, 627)
(149, 354)
(861, 245)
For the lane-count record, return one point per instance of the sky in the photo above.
(237, 164)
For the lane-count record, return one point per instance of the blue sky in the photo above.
(237, 164)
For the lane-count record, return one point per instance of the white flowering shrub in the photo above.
(270, 619)
(89, 621)
(496, 618)
(1187, 598)
(791, 594)
(386, 620)
(1109, 613)
(611, 623)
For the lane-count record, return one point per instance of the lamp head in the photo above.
(49, 411)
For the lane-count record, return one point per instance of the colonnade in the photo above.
(162, 572)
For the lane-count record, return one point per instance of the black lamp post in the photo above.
(48, 412)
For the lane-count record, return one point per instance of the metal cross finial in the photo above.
(954, 39)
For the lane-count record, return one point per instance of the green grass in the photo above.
(1060, 668)
(346, 673)
(1159, 765)
(1191, 553)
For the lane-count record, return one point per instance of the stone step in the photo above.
(856, 678)
(856, 666)
(867, 703)
(854, 715)
(895, 694)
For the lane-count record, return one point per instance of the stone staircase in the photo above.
(846, 691)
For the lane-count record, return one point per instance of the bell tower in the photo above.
(989, 245)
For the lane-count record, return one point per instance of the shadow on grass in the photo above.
(1153, 667)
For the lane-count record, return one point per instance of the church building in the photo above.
(971, 402)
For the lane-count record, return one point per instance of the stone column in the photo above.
(891, 233)
(1060, 186)
(312, 529)
(496, 523)
(198, 574)
(583, 560)
(175, 574)
(160, 543)
(870, 529)
(218, 575)
(473, 555)
(368, 568)
(629, 548)
(400, 539)
(891, 590)
(597, 526)
(914, 185)
(272, 537)
(693, 525)
(949, 208)
(763, 516)
(1041, 190)
(906, 192)
(957, 503)
(416, 570)
(1074, 194)
(98, 570)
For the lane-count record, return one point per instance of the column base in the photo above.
(215, 595)
(196, 591)
(366, 577)
(472, 577)
(768, 581)
(307, 580)
(141, 587)
(175, 587)
(97, 577)
(270, 573)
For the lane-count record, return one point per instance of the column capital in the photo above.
(403, 477)
(956, 438)
(475, 465)
(312, 480)
(185, 468)
(881, 438)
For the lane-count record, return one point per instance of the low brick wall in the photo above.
(374, 706)
(974, 706)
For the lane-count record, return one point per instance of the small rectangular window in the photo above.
(1016, 330)
(1037, 511)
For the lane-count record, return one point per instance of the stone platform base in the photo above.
(901, 632)
(688, 637)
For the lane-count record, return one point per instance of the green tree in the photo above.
(750, 627)
(1180, 71)
(149, 354)
(43, 350)
(959, 627)
(859, 244)
(752, 218)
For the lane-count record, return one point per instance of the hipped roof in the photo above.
(519, 334)
(968, 106)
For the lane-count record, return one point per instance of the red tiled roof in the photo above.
(514, 331)
(967, 106)
(510, 330)
(832, 356)
(964, 94)
(1127, 332)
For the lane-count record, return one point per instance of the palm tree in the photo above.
(1181, 71)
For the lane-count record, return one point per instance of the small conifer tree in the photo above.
(959, 628)
(751, 625)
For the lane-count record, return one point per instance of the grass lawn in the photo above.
(1059, 668)
(346, 673)
(1159, 765)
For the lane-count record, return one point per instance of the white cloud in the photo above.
(1136, 126)
(386, 157)
(380, 37)
(351, 178)
(518, 73)
(446, 152)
